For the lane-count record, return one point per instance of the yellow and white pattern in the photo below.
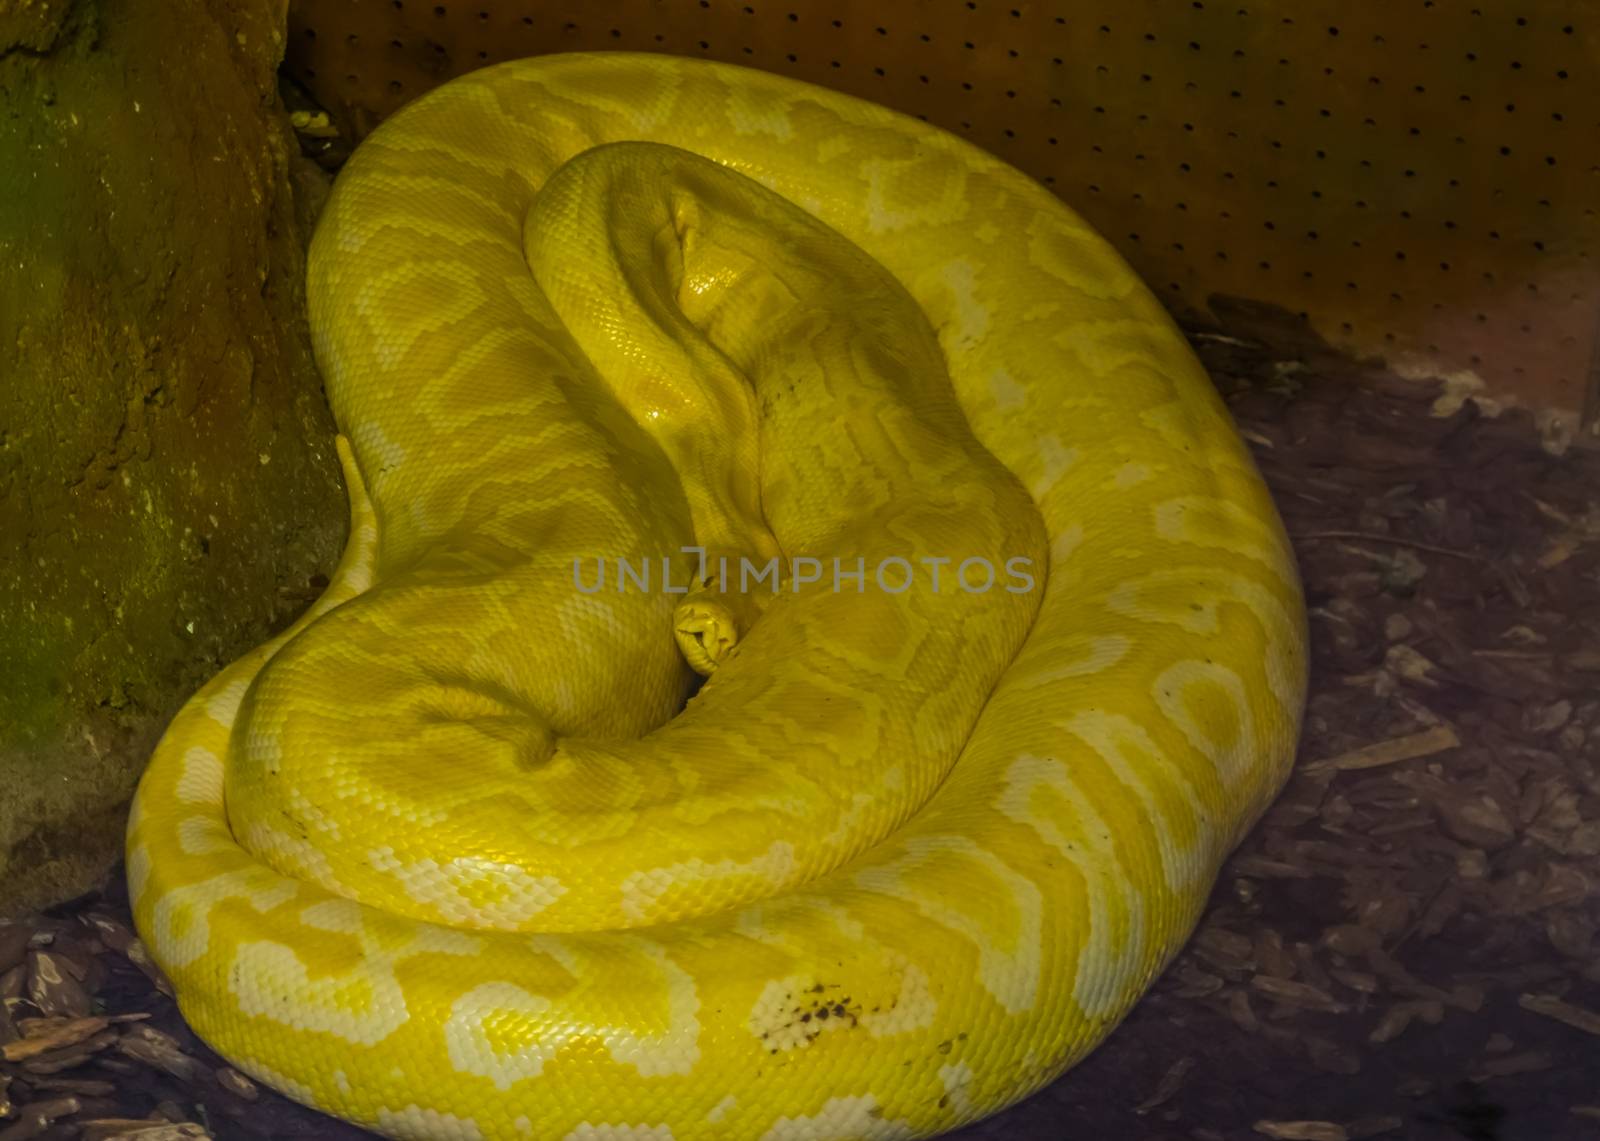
(452, 858)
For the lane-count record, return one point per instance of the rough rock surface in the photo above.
(168, 489)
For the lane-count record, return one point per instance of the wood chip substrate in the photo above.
(1407, 947)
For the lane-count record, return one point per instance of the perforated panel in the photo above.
(1420, 177)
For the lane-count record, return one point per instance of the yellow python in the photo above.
(450, 857)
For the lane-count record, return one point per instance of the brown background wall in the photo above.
(1419, 177)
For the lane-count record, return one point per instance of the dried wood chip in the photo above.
(139, 957)
(37, 1116)
(1401, 661)
(1585, 840)
(1297, 994)
(1359, 981)
(170, 1110)
(1270, 954)
(13, 982)
(1478, 820)
(1552, 1007)
(1527, 1062)
(160, 1051)
(1398, 1017)
(1224, 949)
(1572, 933)
(1310, 970)
(237, 1084)
(53, 989)
(1351, 939)
(1195, 983)
(116, 935)
(86, 1087)
(1547, 718)
(1241, 1012)
(56, 1061)
(45, 1034)
(1263, 868)
(1171, 1083)
(1302, 1130)
(1393, 751)
(138, 1129)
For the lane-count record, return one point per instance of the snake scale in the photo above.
(473, 850)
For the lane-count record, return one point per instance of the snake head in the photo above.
(706, 631)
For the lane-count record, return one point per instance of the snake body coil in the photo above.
(464, 854)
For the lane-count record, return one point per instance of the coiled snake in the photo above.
(463, 853)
